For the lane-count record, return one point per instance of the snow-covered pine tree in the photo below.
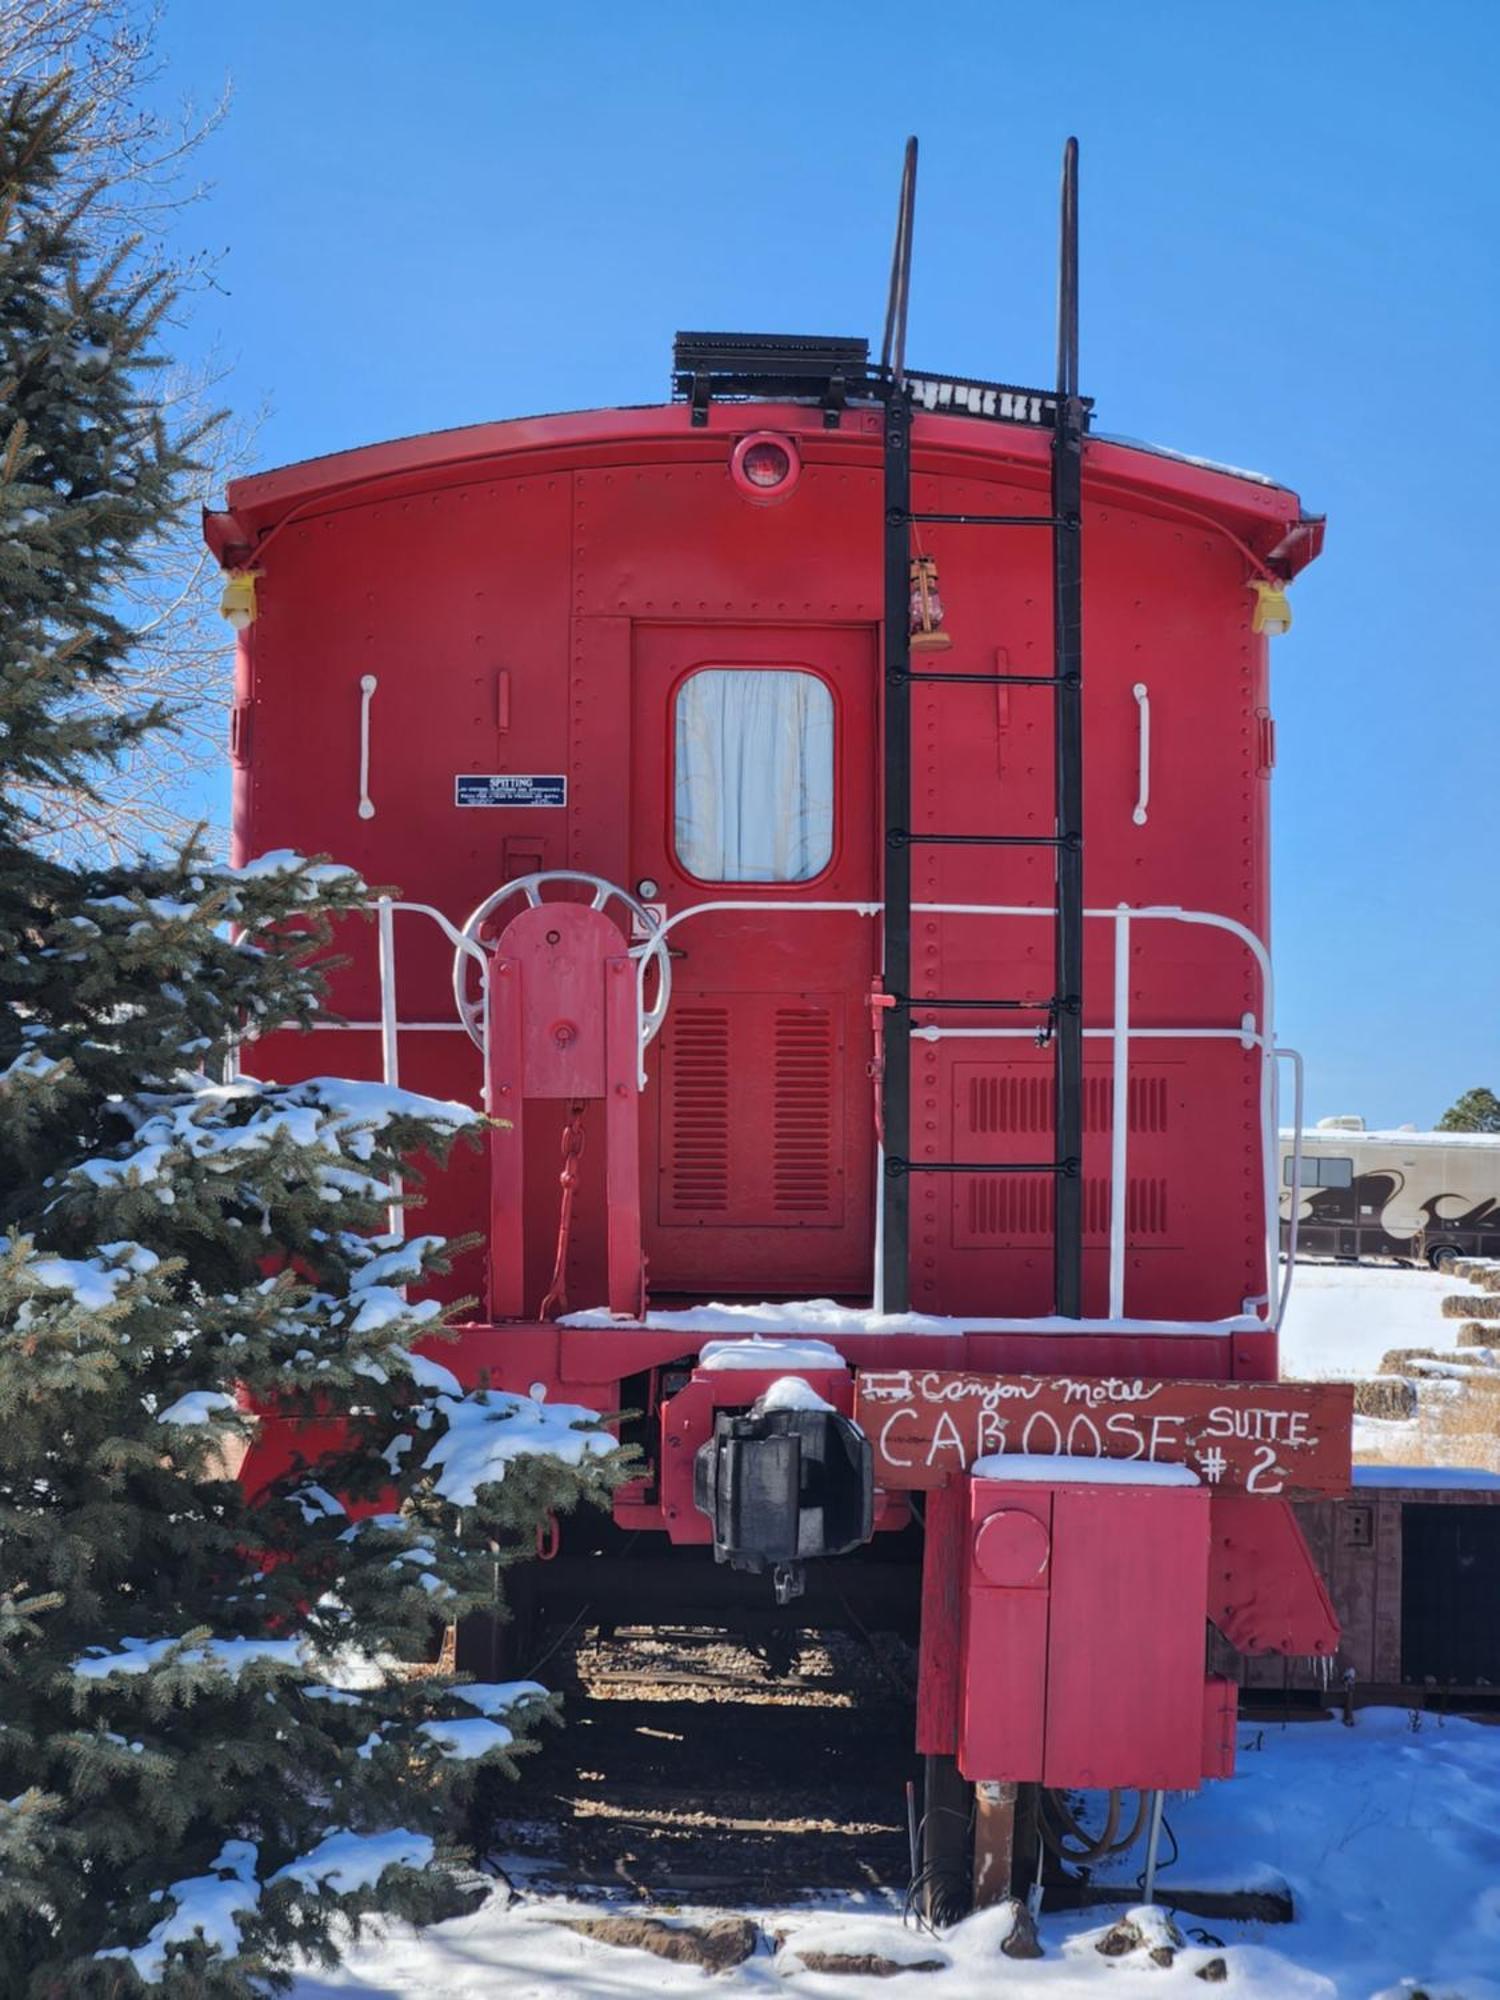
(208, 1751)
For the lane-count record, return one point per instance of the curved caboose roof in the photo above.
(1267, 520)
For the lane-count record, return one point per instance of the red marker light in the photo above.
(766, 464)
(765, 467)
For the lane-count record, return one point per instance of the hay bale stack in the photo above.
(1398, 1360)
(1476, 1333)
(1390, 1397)
(1472, 1305)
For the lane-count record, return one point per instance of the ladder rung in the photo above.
(988, 520)
(897, 1168)
(897, 836)
(1015, 1006)
(991, 680)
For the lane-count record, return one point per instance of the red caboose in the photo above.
(841, 795)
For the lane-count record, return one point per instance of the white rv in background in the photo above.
(1423, 1197)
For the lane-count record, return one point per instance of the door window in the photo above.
(753, 774)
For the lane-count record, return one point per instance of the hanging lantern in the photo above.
(927, 635)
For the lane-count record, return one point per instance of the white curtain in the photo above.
(754, 775)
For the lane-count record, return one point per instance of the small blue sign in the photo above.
(507, 788)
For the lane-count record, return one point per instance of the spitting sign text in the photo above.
(1286, 1440)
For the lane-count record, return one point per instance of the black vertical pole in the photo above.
(893, 347)
(896, 1087)
(895, 1102)
(1067, 631)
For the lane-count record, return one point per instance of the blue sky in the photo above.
(429, 215)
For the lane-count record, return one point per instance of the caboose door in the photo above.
(754, 792)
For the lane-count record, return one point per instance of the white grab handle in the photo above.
(1143, 780)
(367, 686)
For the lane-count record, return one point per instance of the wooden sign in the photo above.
(1286, 1440)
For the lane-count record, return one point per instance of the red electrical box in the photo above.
(1082, 1635)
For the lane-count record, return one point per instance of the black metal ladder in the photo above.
(1062, 1028)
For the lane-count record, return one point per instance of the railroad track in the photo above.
(690, 1771)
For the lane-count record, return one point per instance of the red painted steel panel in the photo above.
(512, 1357)
(1265, 1592)
(1003, 1720)
(1260, 511)
(560, 951)
(627, 1274)
(1221, 1714)
(1125, 1663)
(507, 1136)
(940, 1656)
(602, 720)
(527, 596)
(1165, 1357)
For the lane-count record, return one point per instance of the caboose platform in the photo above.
(596, 1348)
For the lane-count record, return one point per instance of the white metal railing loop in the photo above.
(390, 1030)
(1289, 1262)
(386, 911)
(1254, 1032)
(652, 947)
(1119, 1131)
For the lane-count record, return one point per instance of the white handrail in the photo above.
(1289, 1267)
(390, 1023)
(930, 1032)
(1119, 1132)
(390, 1063)
(1143, 765)
(1253, 1033)
(1174, 913)
(406, 1027)
(877, 1282)
(367, 686)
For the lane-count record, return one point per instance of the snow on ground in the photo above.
(1388, 1838)
(1342, 1318)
